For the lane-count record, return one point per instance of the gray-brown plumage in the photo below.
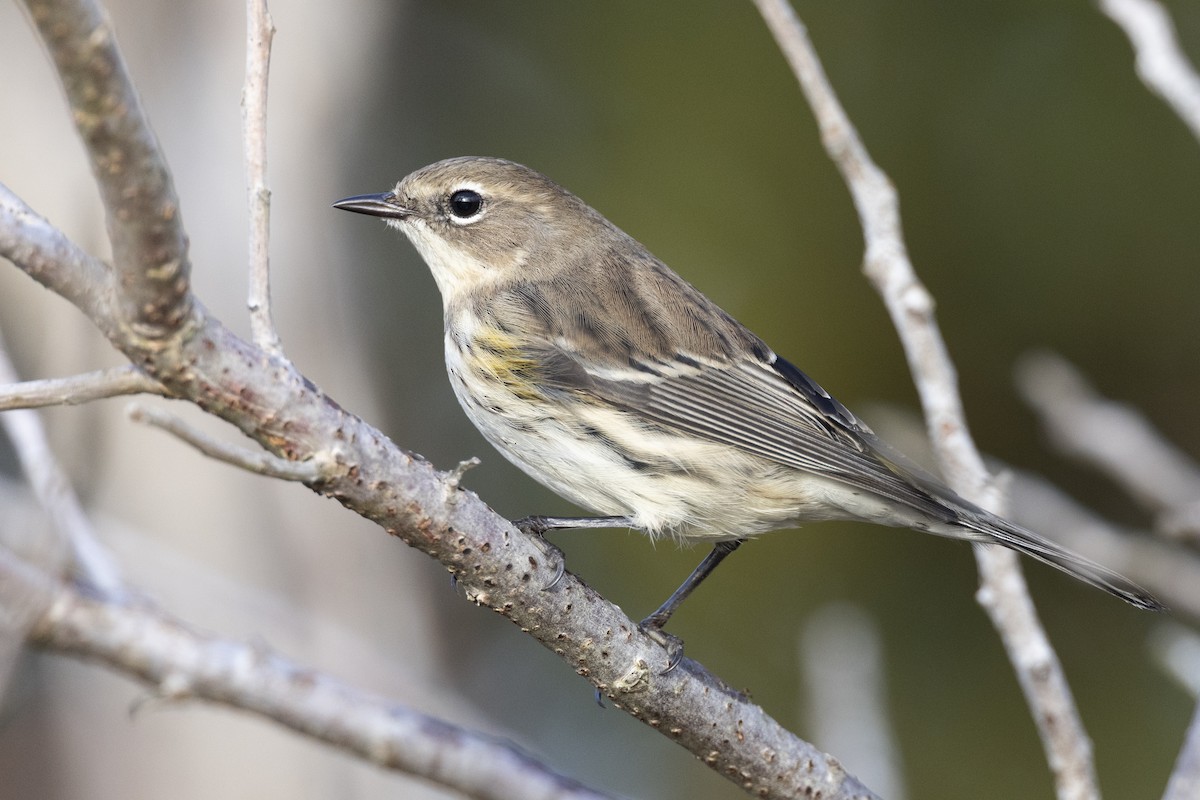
(600, 372)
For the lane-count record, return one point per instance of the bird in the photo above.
(601, 373)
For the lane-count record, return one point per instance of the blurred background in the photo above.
(1049, 201)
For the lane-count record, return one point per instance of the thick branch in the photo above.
(144, 225)
(910, 305)
(141, 642)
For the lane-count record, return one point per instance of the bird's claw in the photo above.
(537, 527)
(669, 642)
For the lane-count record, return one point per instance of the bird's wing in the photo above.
(766, 407)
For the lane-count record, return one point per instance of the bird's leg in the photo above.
(538, 526)
(652, 625)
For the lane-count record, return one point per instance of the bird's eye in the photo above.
(465, 203)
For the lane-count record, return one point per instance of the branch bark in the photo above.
(144, 223)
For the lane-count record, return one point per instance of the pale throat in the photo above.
(458, 270)
(454, 269)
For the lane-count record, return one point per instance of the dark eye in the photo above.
(465, 203)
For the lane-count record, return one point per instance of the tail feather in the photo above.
(1024, 541)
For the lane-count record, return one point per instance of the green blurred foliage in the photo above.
(1048, 200)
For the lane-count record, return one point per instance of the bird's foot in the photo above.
(653, 627)
(537, 527)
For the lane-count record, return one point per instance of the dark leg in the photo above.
(539, 525)
(653, 624)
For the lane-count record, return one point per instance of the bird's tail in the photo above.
(1003, 532)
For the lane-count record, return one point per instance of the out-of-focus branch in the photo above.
(144, 224)
(1176, 648)
(54, 493)
(1178, 651)
(886, 263)
(259, 32)
(78, 389)
(842, 664)
(178, 663)
(1161, 64)
(1115, 439)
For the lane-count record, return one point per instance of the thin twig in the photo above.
(54, 493)
(179, 663)
(886, 263)
(1161, 64)
(259, 462)
(78, 389)
(260, 30)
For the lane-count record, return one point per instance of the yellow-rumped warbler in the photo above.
(597, 370)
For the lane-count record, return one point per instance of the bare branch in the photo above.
(1112, 437)
(259, 32)
(258, 462)
(1161, 64)
(53, 260)
(910, 305)
(179, 663)
(54, 492)
(78, 389)
(144, 224)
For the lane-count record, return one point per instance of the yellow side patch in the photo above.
(497, 358)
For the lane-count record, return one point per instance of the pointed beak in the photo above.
(384, 205)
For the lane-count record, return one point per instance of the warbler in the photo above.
(604, 375)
